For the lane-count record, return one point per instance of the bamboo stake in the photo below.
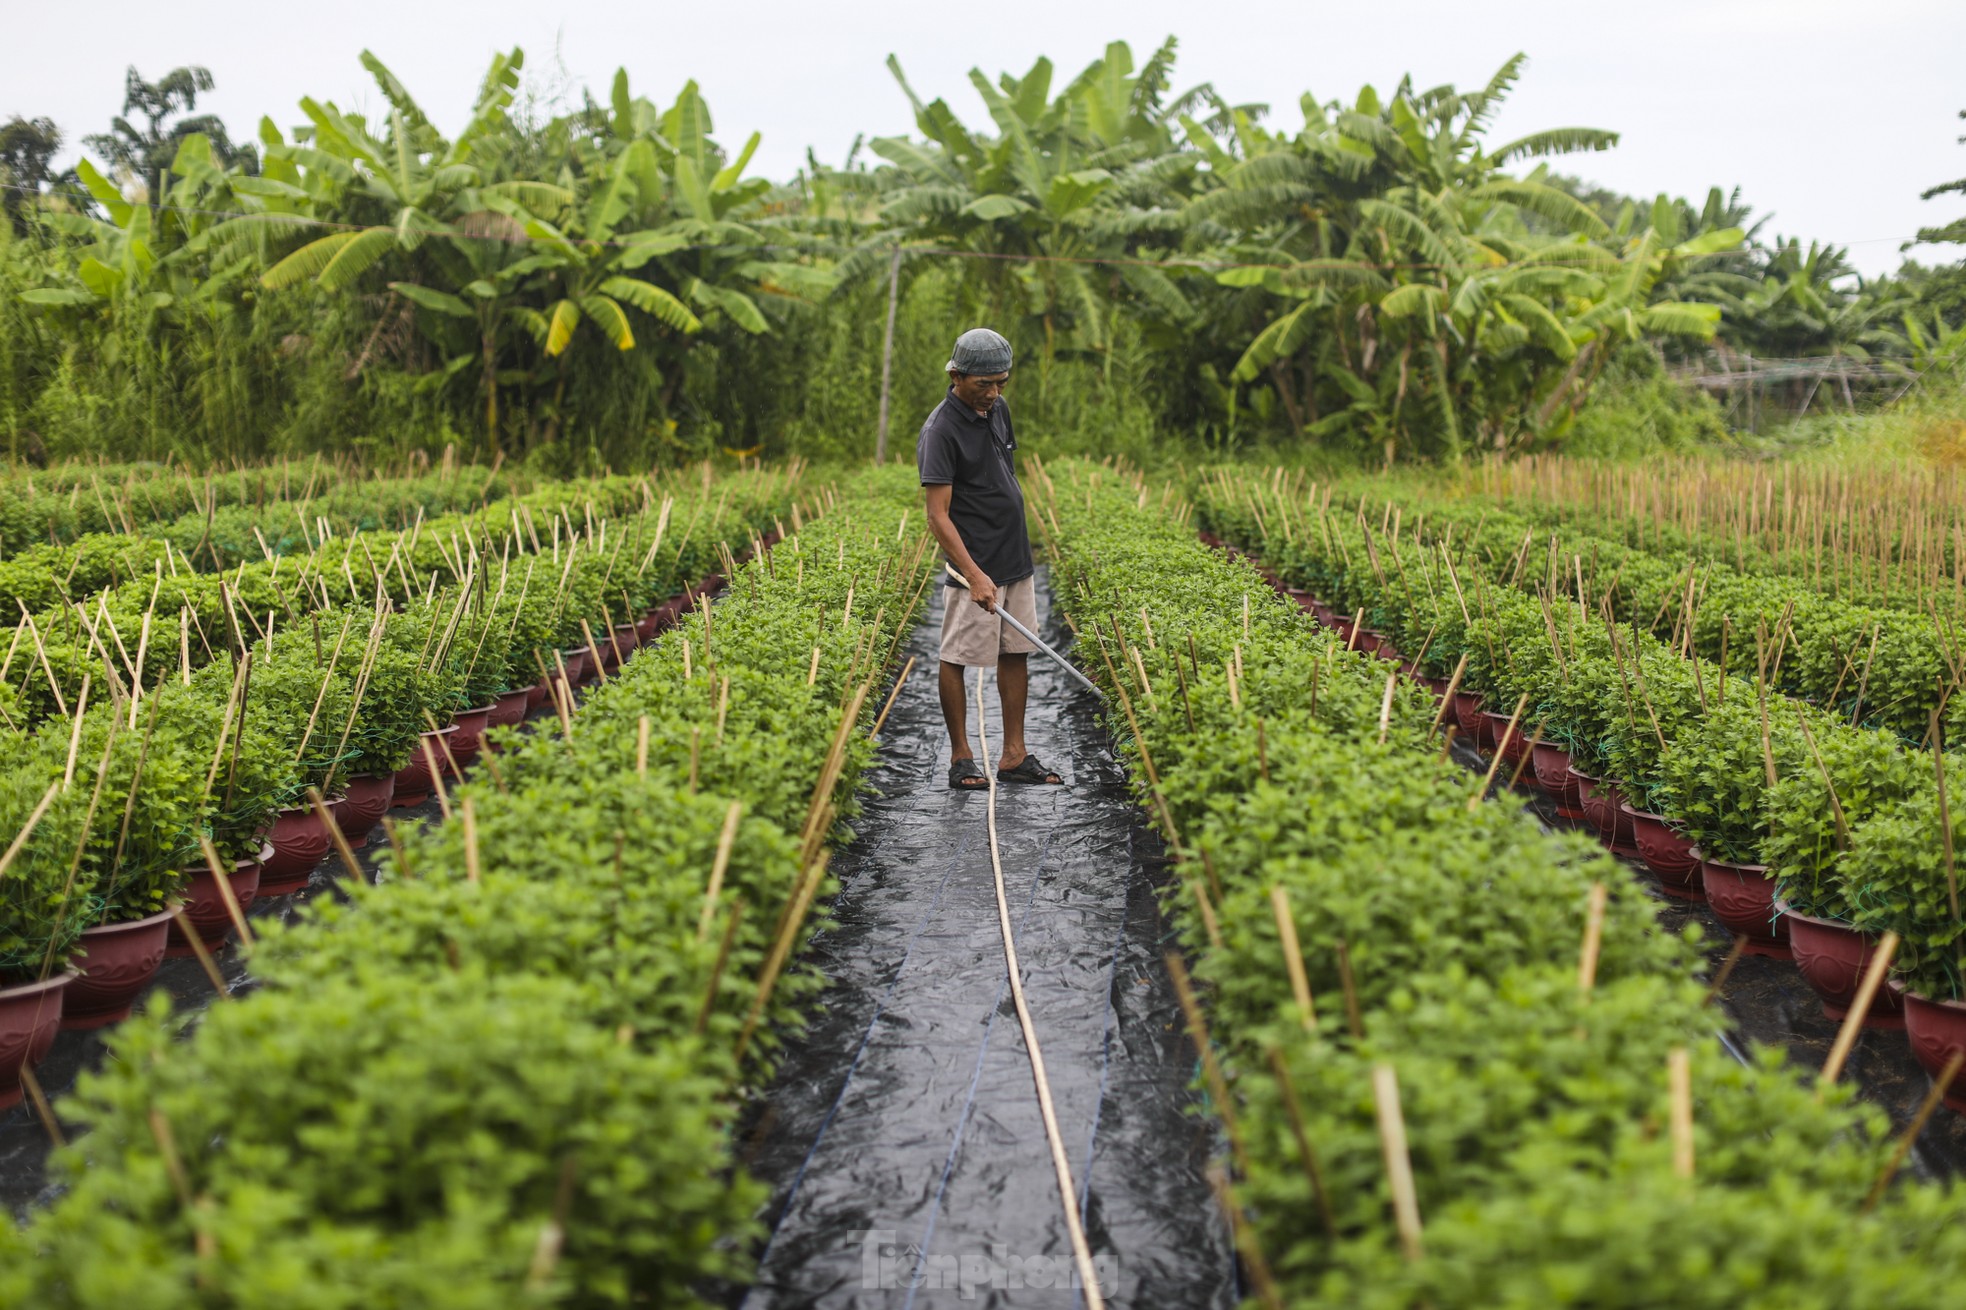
(1909, 1138)
(719, 864)
(594, 652)
(1593, 938)
(1386, 707)
(1495, 763)
(335, 834)
(1293, 955)
(1945, 819)
(42, 1109)
(1218, 1086)
(642, 746)
(1853, 1021)
(1734, 954)
(1312, 1169)
(436, 776)
(781, 948)
(27, 829)
(444, 745)
(472, 868)
(1353, 1017)
(1447, 697)
(75, 740)
(226, 894)
(1679, 1083)
(1835, 801)
(881, 718)
(1399, 1163)
(717, 969)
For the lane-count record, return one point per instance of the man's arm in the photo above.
(982, 588)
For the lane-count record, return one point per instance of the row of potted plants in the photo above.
(1849, 542)
(54, 573)
(190, 616)
(1806, 835)
(66, 502)
(1445, 1077)
(110, 806)
(505, 1074)
(1880, 665)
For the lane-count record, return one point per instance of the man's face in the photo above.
(979, 393)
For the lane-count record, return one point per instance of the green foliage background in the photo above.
(600, 283)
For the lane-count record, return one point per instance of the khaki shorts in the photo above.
(974, 637)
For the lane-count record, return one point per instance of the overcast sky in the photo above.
(1832, 116)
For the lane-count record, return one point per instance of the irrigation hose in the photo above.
(1067, 1193)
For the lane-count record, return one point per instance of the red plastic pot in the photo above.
(626, 642)
(205, 912)
(413, 781)
(576, 660)
(1388, 651)
(1622, 841)
(711, 584)
(1936, 1030)
(116, 962)
(1467, 713)
(469, 738)
(1369, 641)
(1492, 728)
(1603, 810)
(510, 708)
(1832, 957)
(30, 1018)
(1742, 897)
(1667, 852)
(299, 841)
(1551, 765)
(366, 801)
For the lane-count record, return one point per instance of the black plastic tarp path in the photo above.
(902, 1135)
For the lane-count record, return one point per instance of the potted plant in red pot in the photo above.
(1896, 878)
(1653, 700)
(149, 790)
(409, 676)
(1714, 781)
(1811, 817)
(41, 898)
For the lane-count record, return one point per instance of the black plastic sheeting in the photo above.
(902, 1135)
(1765, 1001)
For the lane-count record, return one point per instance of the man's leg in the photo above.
(1013, 686)
(954, 710)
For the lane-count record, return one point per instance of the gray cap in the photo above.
(980, 351)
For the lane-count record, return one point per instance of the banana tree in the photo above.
(404, 186)
(1067, 178)
(1439, 299)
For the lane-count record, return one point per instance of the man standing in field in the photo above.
(976, 511)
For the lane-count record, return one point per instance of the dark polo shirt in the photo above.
(970, 453)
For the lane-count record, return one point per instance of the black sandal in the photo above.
(965, 776)
(1029, 771)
